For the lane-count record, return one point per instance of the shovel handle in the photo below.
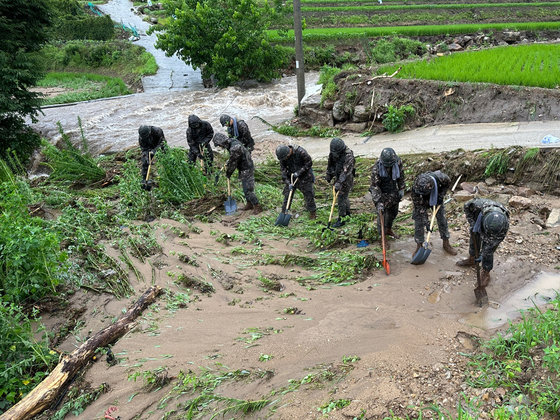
(150, 158)
(434, 212)
(228, 188)
(289, 203)
(335, 196)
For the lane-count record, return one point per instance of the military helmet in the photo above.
(388, 157)
(282, 152)
(144, 131)
(494, 222)
(423, 184)
(337, 145)
(225, 119)
(221, 140)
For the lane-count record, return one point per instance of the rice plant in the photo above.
(70, 164)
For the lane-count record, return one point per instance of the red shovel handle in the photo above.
(385, 262)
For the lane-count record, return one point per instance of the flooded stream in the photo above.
(543, 288)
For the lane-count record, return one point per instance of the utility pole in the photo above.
(299, 52)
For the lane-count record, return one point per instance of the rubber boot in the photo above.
(418, 246)
(339, 223)
(312, 215)
(257, 209)
(448, 248)
(389, 232)
(248, 206)
(467, 262)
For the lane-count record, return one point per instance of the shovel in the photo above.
(385, 262)
(284, 218)
(230, 204)
(424, 252)
(480, 292)
(335, 196)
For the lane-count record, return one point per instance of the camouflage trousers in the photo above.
(421, 223)
(343, 201)
(307, 188)
(389, 215)
(247, 178)
(489, 247)
(207, 157)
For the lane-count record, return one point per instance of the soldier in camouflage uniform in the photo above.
(199, 135)
(296, 162)
(340, 167)
(387, 188)
(240, 159)
(151, 139)
(429, 190)
(488, 226)
(238, 129)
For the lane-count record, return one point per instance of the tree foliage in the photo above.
(227, 39)
(22, 25)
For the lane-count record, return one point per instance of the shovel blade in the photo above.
(481, 296)
(283, 219)
(387, 267)
(421, 256)
(230, 206)
(362, 244)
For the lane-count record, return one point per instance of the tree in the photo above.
(22, 25)
(227, 39)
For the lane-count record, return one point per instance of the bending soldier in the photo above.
(488, 226)
(240, 159)
(295, 162)
(239, 130)
(340, 167)
(428, 191)
(387, 188)
(151, 139)
(199, 135)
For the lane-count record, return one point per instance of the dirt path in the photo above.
(408, 329)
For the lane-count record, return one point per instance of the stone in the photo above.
(356, 127)
(519, 202)
(525, 192)
(490, 181)
(482, 189)
(339, 111)
(453, 47)
(361, 114)
(553, 219)
(467, 186)
(463, 196)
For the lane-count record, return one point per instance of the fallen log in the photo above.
(44, 394)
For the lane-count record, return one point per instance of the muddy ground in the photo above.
(389, 344)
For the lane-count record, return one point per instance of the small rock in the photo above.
(463, 196)
(467, 186)
(482, 188)
(519, 202)
(490, 181)
(553, 219)
(525, 192)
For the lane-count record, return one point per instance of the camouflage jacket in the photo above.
(199, 137)
(239, 158)
(421, 201)
(489, 240)
(299, 163)
(341, 169)
(244, 134)
(155, 140)
(385, 189)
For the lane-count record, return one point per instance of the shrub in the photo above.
(84, 27)
(29, 250)
(24, 361)
(388, 50)
(395, 117)
(326, 78)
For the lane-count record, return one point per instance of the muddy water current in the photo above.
(173, 73)
(112, 125)
(541, 289)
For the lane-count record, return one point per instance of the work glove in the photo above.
(380, 207)
(337, 186)
(478, 259)
(401, 194)
(291, 187)
(296, 174)
(328, 178)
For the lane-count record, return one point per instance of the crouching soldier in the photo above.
(340, 167)
(387, 188)
(488, 226)
(240, 159)
(151, 139)
(199, 135)
(428, 191)
(297, 173)
(239, 130)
